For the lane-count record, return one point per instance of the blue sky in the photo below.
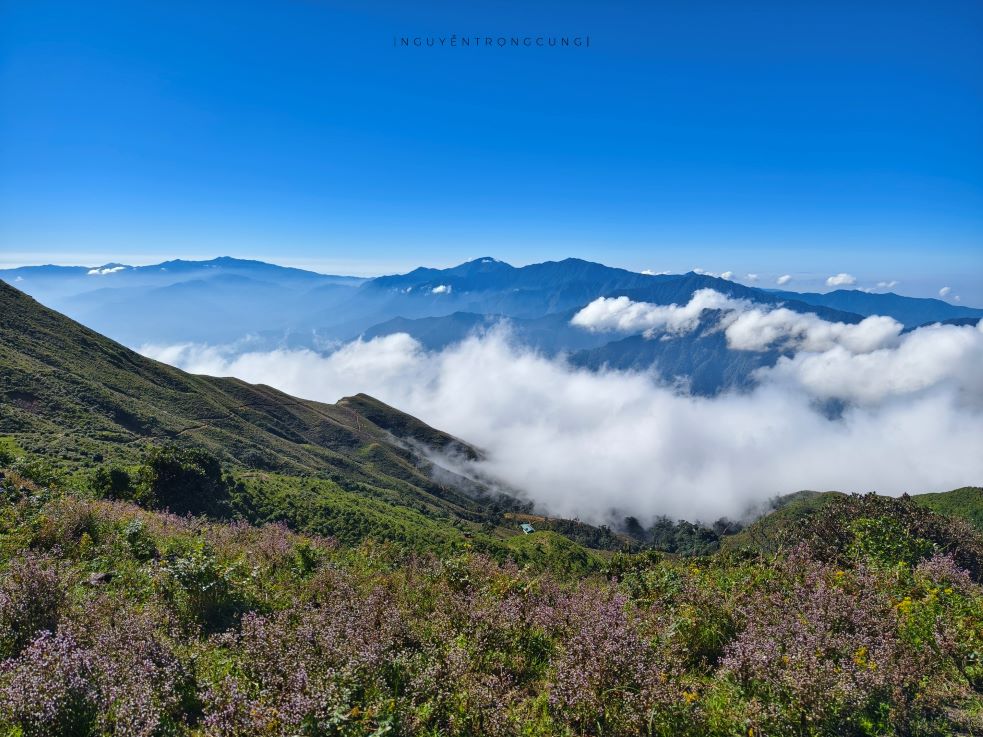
(765, 137)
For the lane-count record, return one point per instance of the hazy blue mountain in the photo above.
(487, 274)
(219, 309)
(225, 300)
(959, 321)
(550, 334)
(220, 300)
(700, 362)
(55, 283)
(911, 311)
(487, 286)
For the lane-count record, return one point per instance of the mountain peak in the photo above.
(478, 265)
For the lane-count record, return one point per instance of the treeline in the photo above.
(679, 536)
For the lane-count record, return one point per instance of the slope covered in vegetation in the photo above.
(779, 525)
(119, 620)
(88, 407)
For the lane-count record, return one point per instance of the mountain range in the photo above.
(225, 300)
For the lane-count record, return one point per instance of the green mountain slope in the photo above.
(356, 469)
(762, 534)
(73, 390)
(786, 511)
(74, 395)
(966, 503)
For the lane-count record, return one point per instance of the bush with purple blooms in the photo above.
(32, 597)
(119, 621)
(817, 649)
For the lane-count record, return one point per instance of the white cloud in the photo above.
(887, 284)
(758, 329)
(783, 279)
(728, 275)
(648, 272)
(441, 289)
(752, 278)
(103, 272)
(748, 327)
(939, 358)
(621, 314)
(582, 443)
(841, 280)
(945, 291)
(19, 278)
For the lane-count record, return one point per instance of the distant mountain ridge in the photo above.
(910, 311)
(224, 300)
(529, 291)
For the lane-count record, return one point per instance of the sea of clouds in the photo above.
(598, 445)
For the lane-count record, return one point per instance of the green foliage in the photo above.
(886, 541)
(682, 537)
(184, 481)
(139, 541)
(113, 482)
(36, 469)
(204, 590)
(965, 503)
(885, 530)
(554, 552)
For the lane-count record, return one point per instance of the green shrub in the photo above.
(113, 482)
(887, 531)
(184, 481)
(203, 590)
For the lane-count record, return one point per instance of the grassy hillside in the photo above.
(769, 530)
(965, 503)
(355, 469)
(75, 393)
(784, 512)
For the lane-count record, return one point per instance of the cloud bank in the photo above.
(604, 444)
(748, 327)
(621, 314)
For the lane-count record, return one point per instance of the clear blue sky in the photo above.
(807, 138)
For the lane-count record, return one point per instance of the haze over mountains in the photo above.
(261, 306)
